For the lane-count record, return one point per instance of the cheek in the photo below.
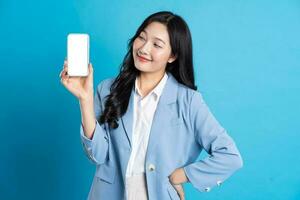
(137, 44)
(134, 46)
(160, 56)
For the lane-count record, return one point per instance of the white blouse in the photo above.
(144, 109)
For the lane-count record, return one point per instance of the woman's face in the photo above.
(152, 49)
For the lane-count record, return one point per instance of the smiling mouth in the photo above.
(143, 59)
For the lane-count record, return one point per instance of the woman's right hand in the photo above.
(80, 87)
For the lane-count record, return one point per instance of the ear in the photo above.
(172, 58)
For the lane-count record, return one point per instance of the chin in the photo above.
(140, 66)
(143, 69)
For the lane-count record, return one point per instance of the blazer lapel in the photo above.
(127, 119)
(165, 114)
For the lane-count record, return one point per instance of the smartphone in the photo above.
(78, 54)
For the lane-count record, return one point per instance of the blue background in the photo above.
(246, 57)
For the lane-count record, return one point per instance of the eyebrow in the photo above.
(154, 37)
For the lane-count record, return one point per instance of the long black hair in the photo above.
(182, 68)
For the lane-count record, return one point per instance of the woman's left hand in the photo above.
(179, 190)
(177, 178)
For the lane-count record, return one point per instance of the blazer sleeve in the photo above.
(224, 157)
(96, 148)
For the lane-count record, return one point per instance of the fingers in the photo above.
(91, 71)
(64, 77)
(181, 196)
(65, 64)
(179, 190)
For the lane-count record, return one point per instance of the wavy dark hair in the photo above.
(182, 68)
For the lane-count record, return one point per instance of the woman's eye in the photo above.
(141, 37)
(157, 45)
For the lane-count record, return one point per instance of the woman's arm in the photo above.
(88, 117)
(94, 137)
(224, 157)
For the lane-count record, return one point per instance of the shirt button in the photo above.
(151, 167)
(207, 189)
(219, 183)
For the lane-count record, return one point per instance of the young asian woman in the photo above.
(145, 128)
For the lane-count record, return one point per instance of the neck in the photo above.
(147, 81)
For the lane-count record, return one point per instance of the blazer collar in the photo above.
(168, 96)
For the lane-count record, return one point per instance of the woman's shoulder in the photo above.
(187, 94)
(103, 86)
(106, 82)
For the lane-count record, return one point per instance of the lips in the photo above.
(143, 59)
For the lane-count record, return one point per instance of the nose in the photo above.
(144, 49)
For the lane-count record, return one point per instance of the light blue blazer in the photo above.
(182, 126)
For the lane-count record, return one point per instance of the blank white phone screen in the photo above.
(78, 54)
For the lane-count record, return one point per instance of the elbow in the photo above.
(238, 162)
